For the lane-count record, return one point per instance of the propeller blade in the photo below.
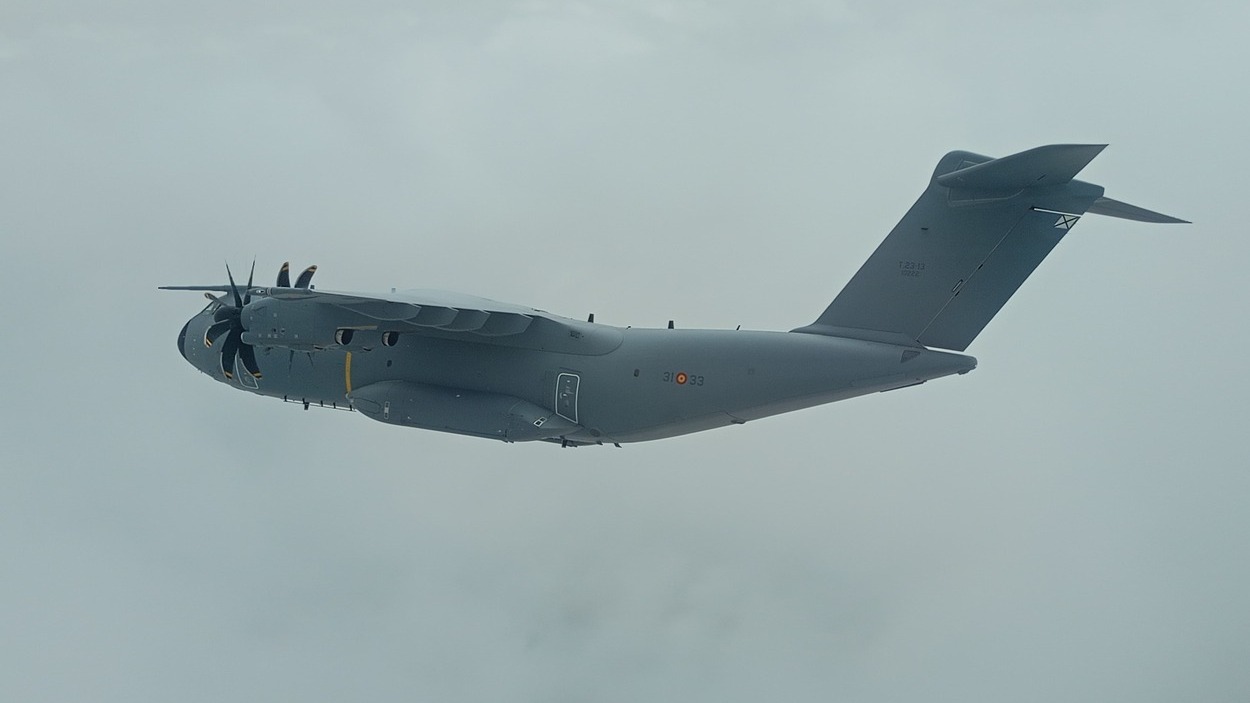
(284, 275)
(238, 301)
(247, 295)
(248, 354)
(212, 333)
(306, 277)
(228, 351)
(227, 312)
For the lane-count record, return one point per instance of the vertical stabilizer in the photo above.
(976, 233)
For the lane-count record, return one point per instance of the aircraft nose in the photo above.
(182, 340)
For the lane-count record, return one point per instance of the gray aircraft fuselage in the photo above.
(626, 385)
(456, 363)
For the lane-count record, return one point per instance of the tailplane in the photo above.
(976, 233)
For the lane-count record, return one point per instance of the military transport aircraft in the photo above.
(458, 363)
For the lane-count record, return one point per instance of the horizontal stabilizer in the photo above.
(1124, 211)
(1045, 165)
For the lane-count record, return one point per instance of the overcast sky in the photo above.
(1069, 522)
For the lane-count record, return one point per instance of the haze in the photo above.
(1068, 522)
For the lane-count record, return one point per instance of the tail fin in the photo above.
(976, 233)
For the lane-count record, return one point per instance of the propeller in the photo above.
(227, 320)
(305, 278)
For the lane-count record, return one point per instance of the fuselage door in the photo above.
(566, 396)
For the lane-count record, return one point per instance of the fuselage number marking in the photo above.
(682, 378)
(911, 269)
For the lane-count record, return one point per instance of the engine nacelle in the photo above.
(299, 324)
(287, 323)
(461, 411)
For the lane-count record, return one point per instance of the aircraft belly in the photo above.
(491, 415)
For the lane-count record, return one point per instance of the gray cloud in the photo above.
(1066, 522)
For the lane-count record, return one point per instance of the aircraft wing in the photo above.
(433, 310)
(429, 313)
